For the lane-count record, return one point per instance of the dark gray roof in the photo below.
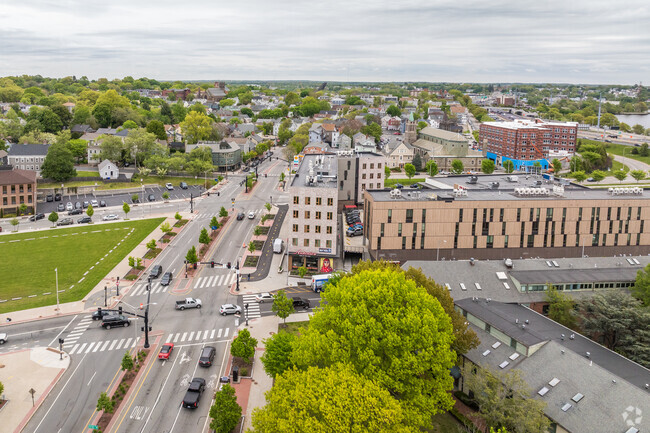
(530, 328)
(82, 128)
(122, 133)
(28, 149)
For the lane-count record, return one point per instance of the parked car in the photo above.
(110, 217)
(166, 279)
(112, 321)
(100, 314)
(60, 207)
(156, 270)
(86, 204)
(49, 198)
(57, 197)
(65, 222)
(240, 216)
(351, 232)
(399, 186)
(193, 394)
(102, 203)
(166, 350)
(229, 309)
(94, 203)
(300, 302)
(84, 220)
(36, 217)
(183, 185)
(188, 303)
(416, 186)
(3, 337)
(76, 212)
(251, 215)
(169, 186)
(151, 197)
(207, 356)
(77, 205)
(69, 206)
(262, 297)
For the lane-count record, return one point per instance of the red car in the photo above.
(166, 350)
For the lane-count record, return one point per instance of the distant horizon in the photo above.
(434, 41)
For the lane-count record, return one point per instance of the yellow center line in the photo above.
(134, 395)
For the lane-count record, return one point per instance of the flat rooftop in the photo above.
(498, 187)
(316, 171)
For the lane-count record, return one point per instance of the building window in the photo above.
(328, 243)
(424, 216)
(399, 229)
(306, 242)
(329, 230)
(295, 214)
(318, 215)
(296, 199)
(317, 243)
(381, 230)
(295, 228)
(409, 215)
(319, 201)
(307, 214)
(329, 215)
(306, 228)
(404, 243)
(390, 216)
(330, 201)
(317, 229)
(294, 242)
(307, 201)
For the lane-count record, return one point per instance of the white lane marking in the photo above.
(225, 334)
(91, 379)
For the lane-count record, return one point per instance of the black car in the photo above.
(76, 212)
(84, 220)
(60, 207)
(49, 198)
(156, 270)
(183, 185)
(207, 356)
(415, 186)
(193, 394)
(36, 217)
(300, 302)
(100, 314)
(112, 321)
(399, 186)
(57, 197)
(151, 197)
(102, 203)
(240, 216)
(65, 222)
(166, 279)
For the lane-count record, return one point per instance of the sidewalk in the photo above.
(250, 391)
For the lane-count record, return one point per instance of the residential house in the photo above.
(366, 146)
(398, 153)
(337, 100)
(344, 142)
(316, 133)
(16, 187)
(3, 157)
(27, 156)
(358, 138)
(330, 133)
(108, 170)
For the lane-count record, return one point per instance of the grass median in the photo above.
(29, 260)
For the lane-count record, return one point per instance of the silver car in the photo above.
(110, 217)
(69, 206)
(229, 309)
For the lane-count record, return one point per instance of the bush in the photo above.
(243, 371)
(469, 402)
(461, 418)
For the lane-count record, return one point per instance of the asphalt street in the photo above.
(96, 353)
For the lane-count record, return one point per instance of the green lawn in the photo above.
(87, 173)
(619, 166)
(293, 327)
(406, 182)
(29, 259)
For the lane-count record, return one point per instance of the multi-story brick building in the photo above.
(313, 205)
(526, 142)
(16, 187)
(455, 220)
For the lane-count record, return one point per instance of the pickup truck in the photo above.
(188, 303)
(193, 394)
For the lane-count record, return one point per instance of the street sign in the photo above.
(93, 427)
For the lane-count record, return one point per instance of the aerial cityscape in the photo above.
(368, 217)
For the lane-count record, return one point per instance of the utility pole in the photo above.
(105, 296)
(191, 203)
(600, 101)
(146, 315)
(237, 272)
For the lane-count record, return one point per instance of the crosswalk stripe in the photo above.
(90, 347)
(198, 335)
(83, 346)
(176, 337)
(196, 285)
(225, 334)
(214, 277)
(205, 334)
(183, 337)
(135, 290)
(128, 342)
(105, 345)
(219, 334)
(113, 345)
(97, 347)
(169, 338)
(212, 334)
(191, 336)
(73, 349)
(119, 344)
(164, 289)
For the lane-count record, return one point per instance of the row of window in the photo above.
(307, 243)
(307, 201)
(5, 201)
(307, 229)
(317, 214)
(577, 286)
(372, 165)
(30, 159)
(12, 188)
(29, 167)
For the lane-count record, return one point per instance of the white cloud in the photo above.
(426, 40)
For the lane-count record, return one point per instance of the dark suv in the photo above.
(155, 271)
(300, 302)
(114, 321)
(100, 314)
(207, 356)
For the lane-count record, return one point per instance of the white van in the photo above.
(277, 246)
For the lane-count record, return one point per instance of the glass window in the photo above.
(296, 199)
(318, 215)
(399, 229)
(295, 227)
(306, 242)
(294, 241)
(306, 228)
(317, 229)
(307, 214)
(317, 243)
(330, 201)
(319, 201)
(329, 230)
(307, 200)
(295, 214)
(329, 215)
(328, 243)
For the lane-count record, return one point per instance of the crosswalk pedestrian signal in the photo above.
(212, 264)
(141, 306)
(228, 265)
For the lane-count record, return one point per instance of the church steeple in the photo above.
(411, 132)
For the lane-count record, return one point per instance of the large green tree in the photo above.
(58, 164)
(457, 166)
(277, 353)
(409, 169)
(243, 346)
(282, 306)
(225, 412)
(196, 127)
(391, 331)
(431, 167)
(508, 166)
(561, 308)
(157, 128)
(487, 166)
(329, 400)
(393, 110)
(505, 401)
(641, 289)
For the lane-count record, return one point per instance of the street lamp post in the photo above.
(105, 296)
(246, 312)
(237, 272)
(56, 273)
(146, 315)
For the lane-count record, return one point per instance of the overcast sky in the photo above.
(574, 41)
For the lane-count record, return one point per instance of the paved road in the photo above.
(96, 353)
(633, 164)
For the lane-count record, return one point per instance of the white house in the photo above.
(108, 170)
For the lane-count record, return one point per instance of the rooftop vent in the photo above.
(577, 397)
(504, 364)
(554, 381)
(566, 407)
(542, 391)
(486, 353)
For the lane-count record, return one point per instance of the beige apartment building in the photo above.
(493, 219)
(313, 205)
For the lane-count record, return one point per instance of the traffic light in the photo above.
(99, 311)
(119, 309)
(228, 265)
(212, 264)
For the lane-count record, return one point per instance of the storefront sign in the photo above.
(325, 250)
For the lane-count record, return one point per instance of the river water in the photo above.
(633, 119)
